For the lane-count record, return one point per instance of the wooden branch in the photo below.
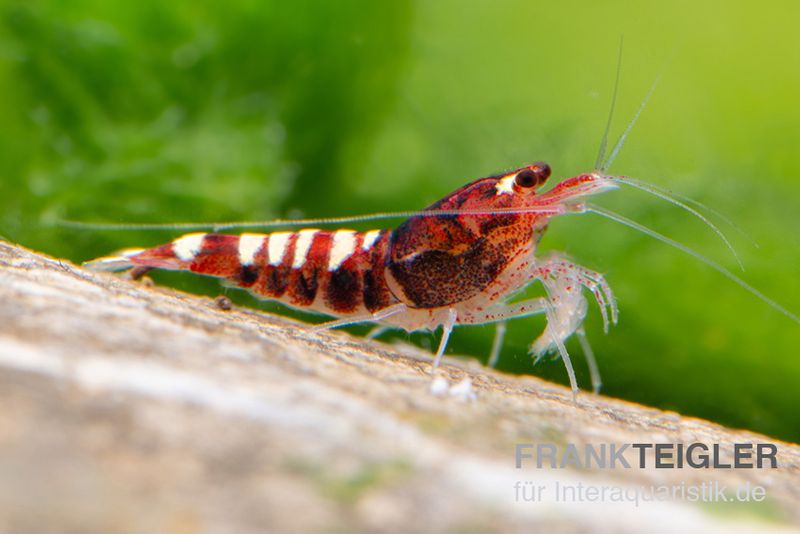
(128, 408)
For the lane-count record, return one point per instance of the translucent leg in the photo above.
(566, 309)
(504, 312)
(564, 281)
(499, 314)
(555, 332)
(373, 317)
(377, 331)
(447, 328)
(565, 272)
(497, 344)
(594, 371)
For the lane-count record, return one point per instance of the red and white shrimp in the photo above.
(457, 262)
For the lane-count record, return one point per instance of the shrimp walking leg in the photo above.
(566, 309)
(377, 331)
(504, 312)
(497, 343)
(373, 317)
(563, 276)
(500, 314)
(591, 361)
(447, 328)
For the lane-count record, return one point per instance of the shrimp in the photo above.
(457, 262)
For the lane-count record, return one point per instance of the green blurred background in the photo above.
(174, 111)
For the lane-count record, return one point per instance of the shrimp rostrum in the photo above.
(460, 261)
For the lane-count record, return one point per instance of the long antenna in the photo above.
(601, 153)
(665, 195)
(711, 263)
(216, 226)
(624, 136)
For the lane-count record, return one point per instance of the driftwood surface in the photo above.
(128, 408)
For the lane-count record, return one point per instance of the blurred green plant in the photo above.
(175, 111)
(169, 111)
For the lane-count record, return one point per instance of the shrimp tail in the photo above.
(119, 261)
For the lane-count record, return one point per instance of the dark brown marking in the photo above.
(376, 293)
(344, 290)
(277, 279)
(248, 275)
(435, 278)
(305, 281)
(371, 291)
(304, 286)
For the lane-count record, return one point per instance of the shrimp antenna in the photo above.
(216, 226)
(591, 208)
(624, 136)
(601, 153)
(722, 217)
(665, 195)
(645, 100)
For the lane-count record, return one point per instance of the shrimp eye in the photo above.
(533, 176)
(526, 178)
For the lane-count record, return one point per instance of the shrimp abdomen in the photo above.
(339, 273)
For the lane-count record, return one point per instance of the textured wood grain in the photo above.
(127, 408)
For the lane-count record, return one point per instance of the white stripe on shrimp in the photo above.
(302, 246)
(276, 247)
(187, 247)
(249, 245)
(369, 239)
(342, 247)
